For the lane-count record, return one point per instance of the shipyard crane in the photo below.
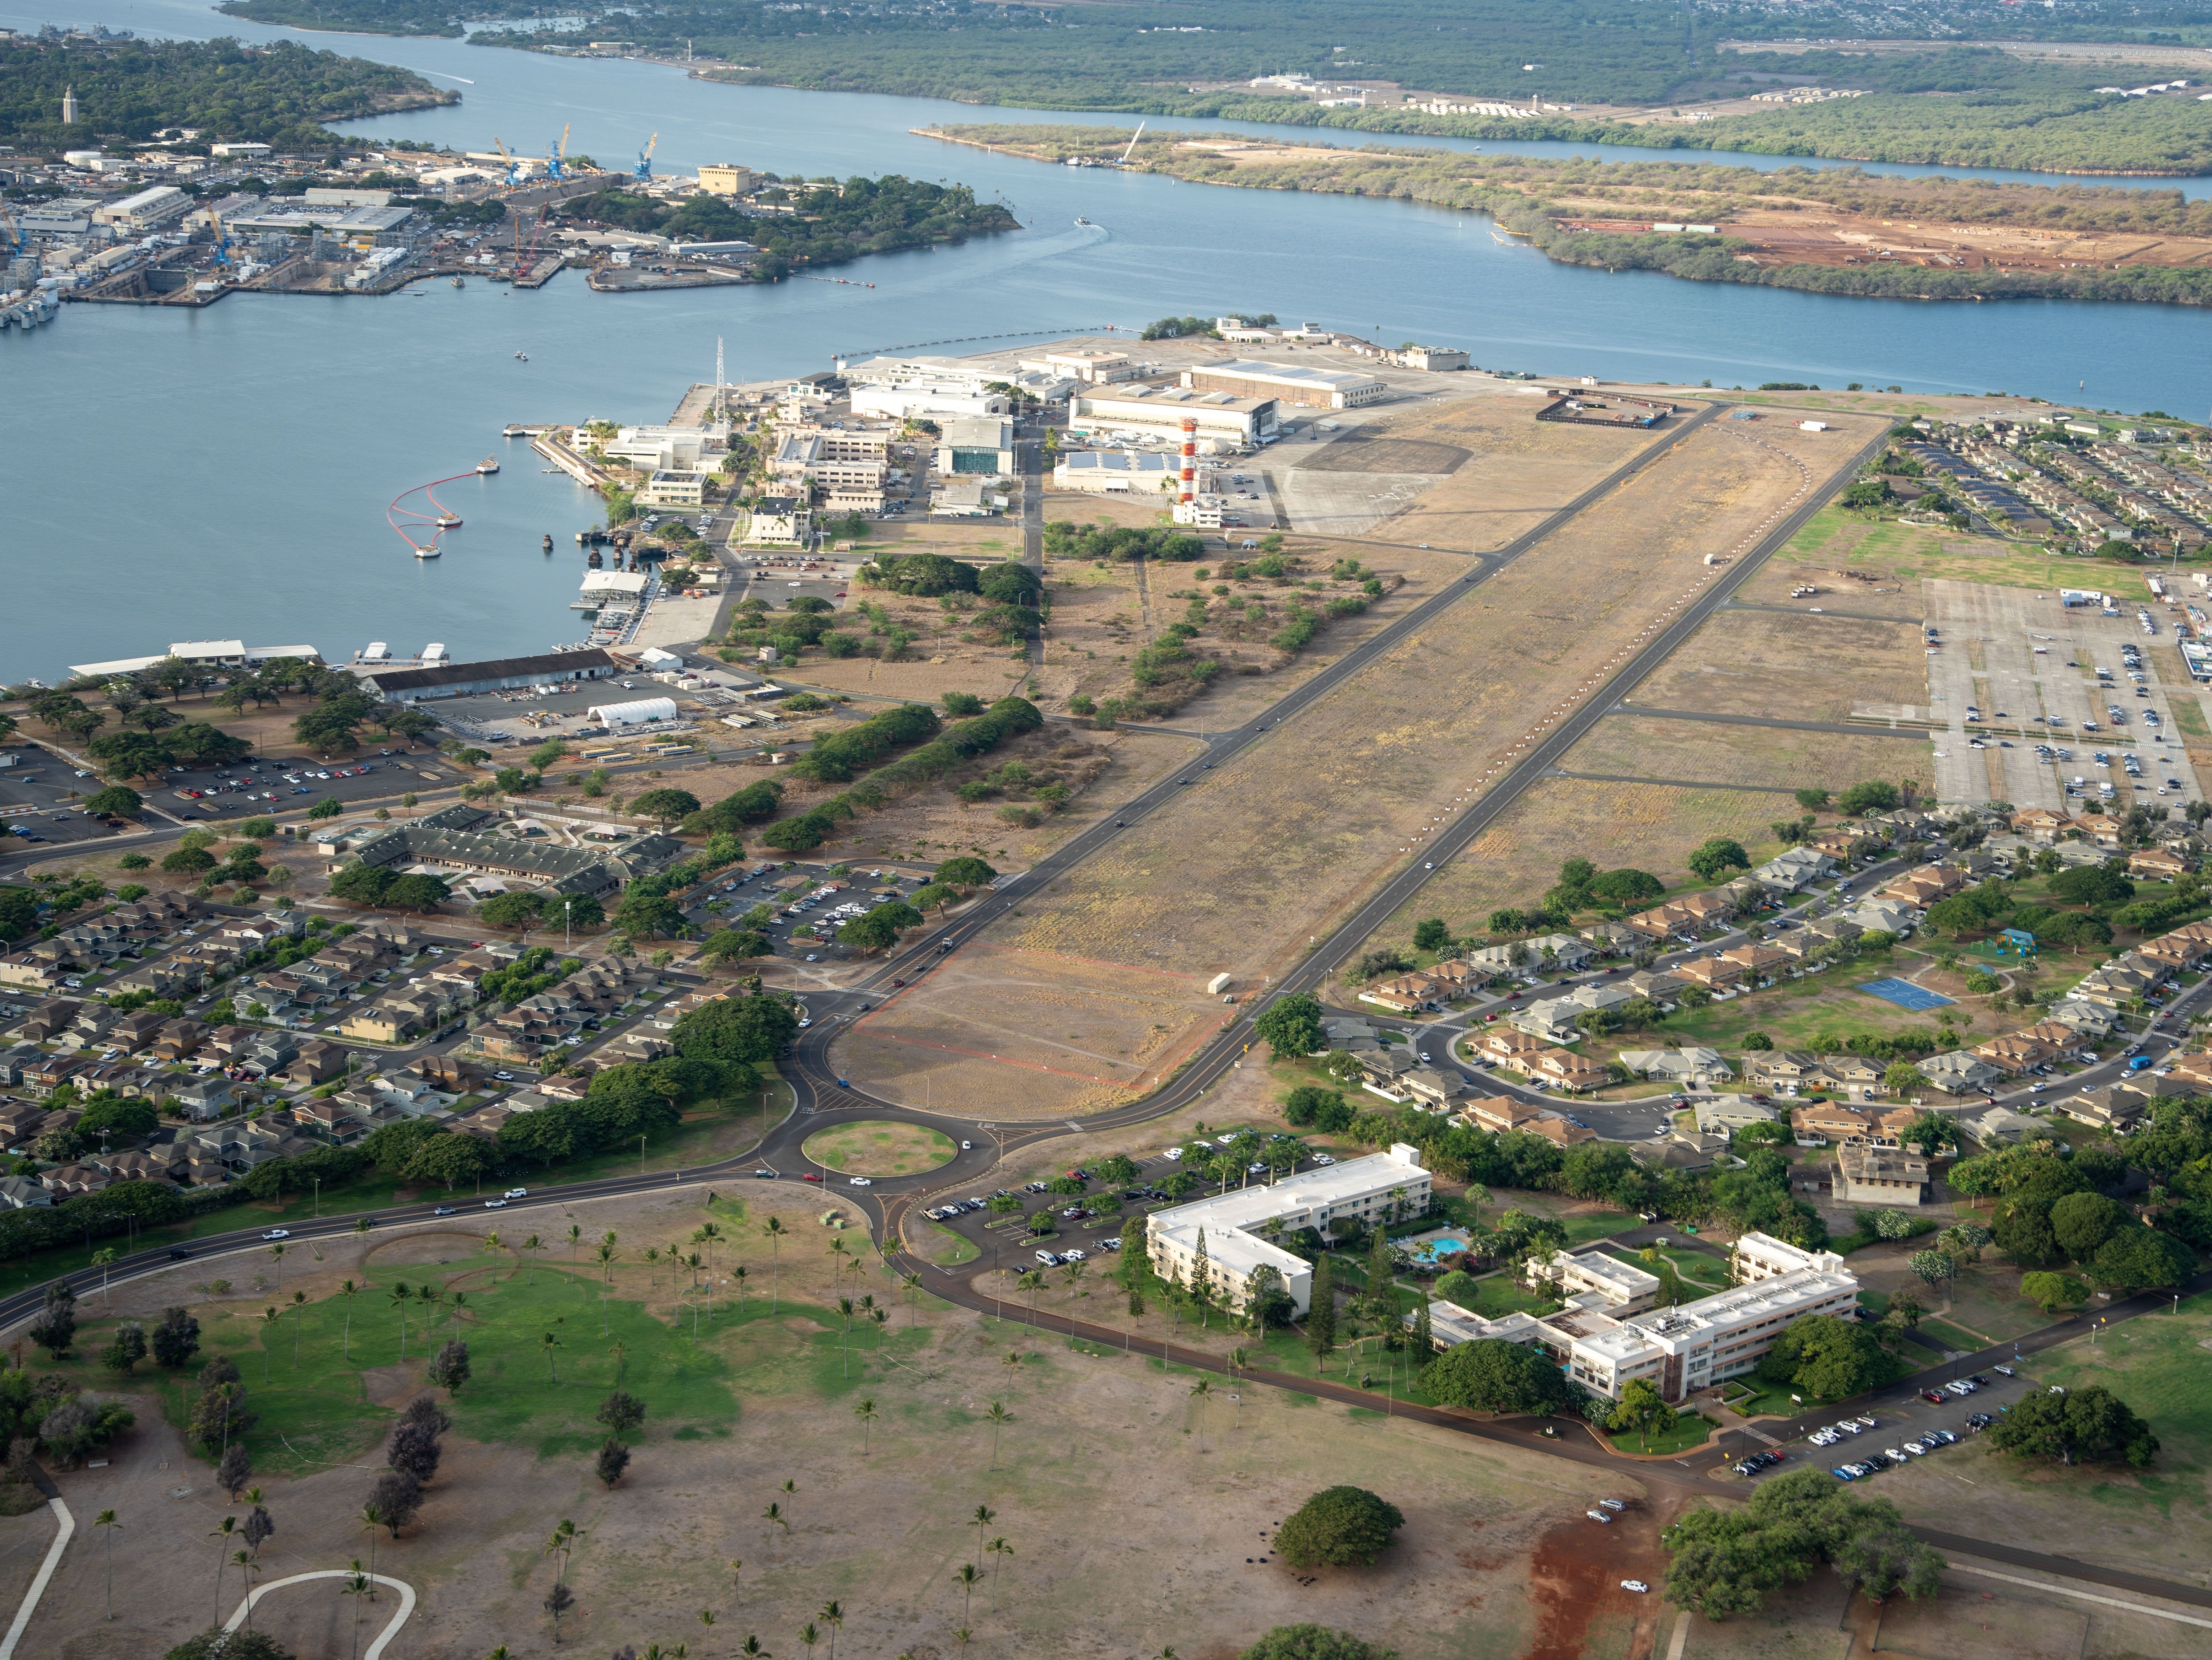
(644, 174)
(1132, 150)
(11, 238)
(514, 164)
(556, 164)
(222, 238)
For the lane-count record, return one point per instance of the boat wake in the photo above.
(437, 519)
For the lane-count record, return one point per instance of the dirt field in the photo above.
(1747, 661)
(1776, 759)
(1244, 868)
(1099, 1475)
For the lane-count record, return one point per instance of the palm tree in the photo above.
(276, 1256)
(776, 1230)
(774, 1517)
(549, 1343)
(299, 1302)
(983, 1518)
(429, 1296)
(707, 1234)
(401, 1294)
(492, 1241)
(865, 1412)
(751, 1649)
(372, 1523)
(106, 1520)
(837, 1264)
(999, 1549)
(1031, 1282)
(998, 1417)
(707, 1618)
(348, 1290)
(833, 1615)
(101, 1260)
(576, 1238)
(739, 1274)
(358, 1584)
(913, 1283)
(532, 1245)
(1203, 1391)
(967, 1577)
(270, 1316)
(248, 1567)
(606, 1253)
(845, 1336)
(881, 1317)
(808, 1635)
(737, 1579)
(222, 1536)
(621, 1353)
(652, 1266)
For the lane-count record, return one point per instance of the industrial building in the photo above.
(148, 210)
(979, 446)
(1608, 1333)
(1224, 417)
(639, 712)
(1094, 366)
(1111, 472)
(359, 225)
(1229, 1227)
(457, 680)
(202, 654)
(455, 839)
(727, 179)
(1288, 383)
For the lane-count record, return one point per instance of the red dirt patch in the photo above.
(1575, 1575)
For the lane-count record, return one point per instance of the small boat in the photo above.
(522, 357)
(488, 464)
(449, 521)
(1081, 221)
(549, 542)
(431, 552)
(460, 283)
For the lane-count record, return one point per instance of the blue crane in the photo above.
(645, 159)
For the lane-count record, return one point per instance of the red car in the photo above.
(810, 1177)
(1934, 1397)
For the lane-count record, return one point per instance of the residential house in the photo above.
(1497, 1113)
(1723, 1115)
(1564, 1070)
(1854, 1075)
(230, 1043)
(1407, 994)
(1658, 985)
(24, 1193)
(1381, 1071)
(2018, 1052)
(2092, 1019)
(484, 1121)
(1428, 1087)
(2101, 832)
(318, 1060)
(1691, 1064)
(42, 1077)
(2000, 1127)
(1504, 1047)
(1959, 1073)
(1610, 937)
(258, 933)
(1794, 869)
(1679, 1154)
(2195, 1069)
(1552, 1020)
(447, 1073)
(74, 1179)
(1829, 928)
(2111, 1106)
(1881, 1176)
(2079, 855)
(2117, 983)
(178, 1039)
(1713, 973)
(2044, 826)
(160, 1162)
(2012, 855)
(1886, 916)
(1782, 1069)
(1711, 909)
(201, 1098)
(1559, 1130)
(1816, 1123)
(1761, 963)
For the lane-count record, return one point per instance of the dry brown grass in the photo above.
(1243, 869)
(1647, 827)
(1778, 759)
(1805, 667)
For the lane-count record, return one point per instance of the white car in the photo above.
(1172, 1154)
(859, 1181)
(494, 1204)
(1636, 1585)
(278, 1233)
(518, 1193)
(1598, 1515)
(1610, 1504)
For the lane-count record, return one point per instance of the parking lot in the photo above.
(814, 903)
(36, 803)
(2009, 670)
(1900, 1424)
(276, 784)
(778, 578)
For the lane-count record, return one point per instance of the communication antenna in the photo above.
(1132, 150)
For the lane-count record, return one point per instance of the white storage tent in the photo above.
(611, 715)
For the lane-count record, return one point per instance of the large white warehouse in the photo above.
(637, 713)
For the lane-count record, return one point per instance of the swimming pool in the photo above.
(1429, 1248)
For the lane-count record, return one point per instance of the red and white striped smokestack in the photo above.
(1190, 460)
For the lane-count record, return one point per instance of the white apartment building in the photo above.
(1092, 364)
(665, 449)
(1234, 1224)
(1608, 1333)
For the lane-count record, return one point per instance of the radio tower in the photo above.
(1188, 481)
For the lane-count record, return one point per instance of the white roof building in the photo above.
(1111, 472)
(1231, 1224)
(635, 714)
(1288, 383)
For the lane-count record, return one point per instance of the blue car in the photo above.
(1843, 1473)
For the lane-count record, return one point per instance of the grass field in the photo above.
(1691, 1429)
(2157, 1521)
(1834, 539)
(879, 1148)
(1807, 667)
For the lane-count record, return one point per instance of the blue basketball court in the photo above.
(1906, 994)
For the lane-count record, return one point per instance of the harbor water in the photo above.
(223, 473)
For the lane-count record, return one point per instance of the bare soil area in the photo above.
(1746, 662)
(1773, 758)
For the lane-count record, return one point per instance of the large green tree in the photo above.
(2083, 1426)
(748, 1029)
(1823, 1356)
(1338, 1527)
(1291, 1025)
(1724, 1562)
(1491, 1375)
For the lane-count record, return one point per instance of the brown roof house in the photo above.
(1880, 1175)
(1818, 1123)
